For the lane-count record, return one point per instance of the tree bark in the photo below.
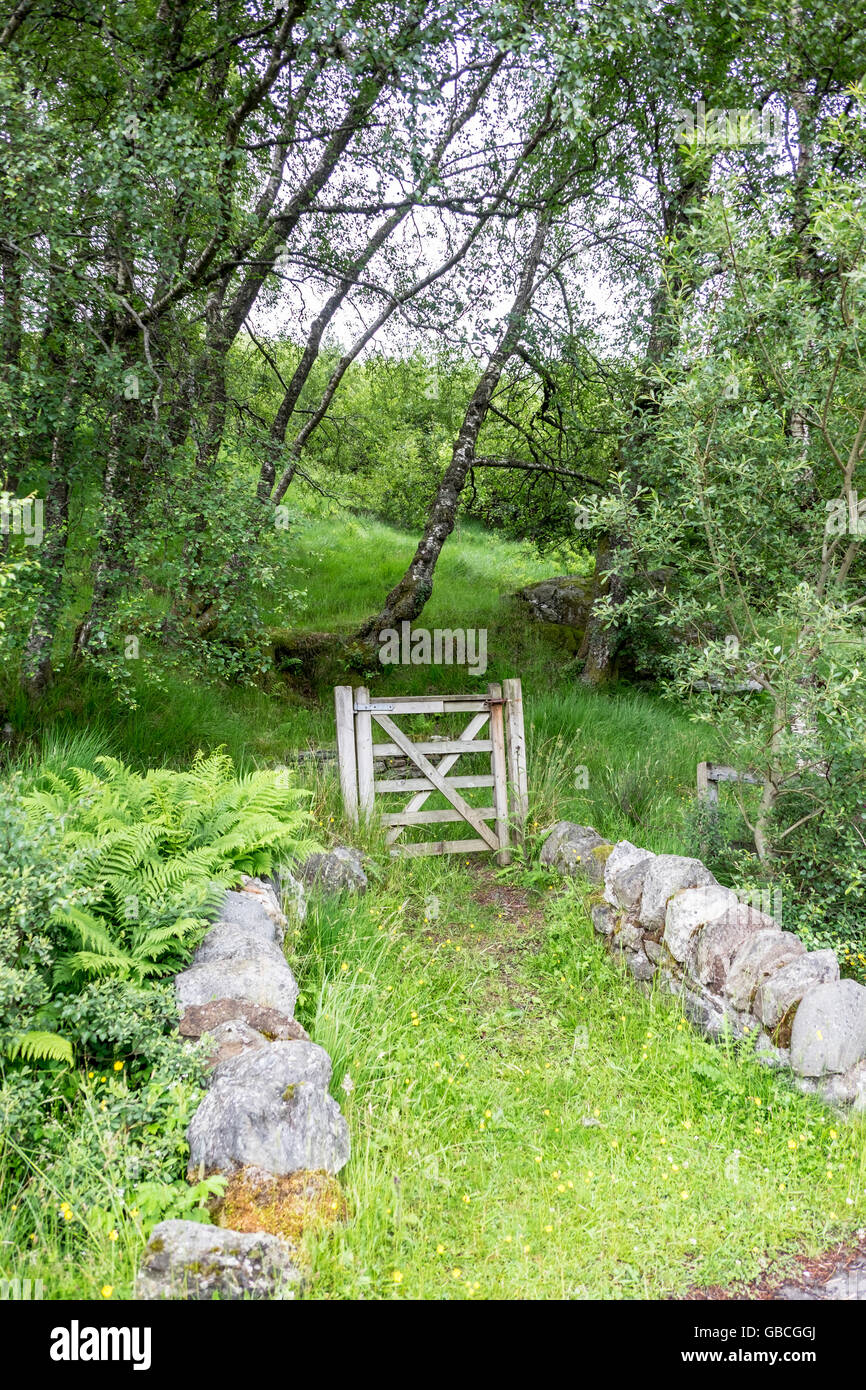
(408, 597)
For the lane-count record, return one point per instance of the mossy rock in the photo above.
(563, 601)
(602, 852)
(312, 660)
(286, 1206)
(305, 656)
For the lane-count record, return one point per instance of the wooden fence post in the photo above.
(364, 750)
(500, 774)
(517, 758)
(346, 750)
(708, 788)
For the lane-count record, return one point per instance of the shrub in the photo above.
(107, 879)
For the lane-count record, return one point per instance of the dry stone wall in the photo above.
(267, 1120)
(736, 972)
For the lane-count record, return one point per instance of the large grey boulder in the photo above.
(188, 1260)
(256, 909)
(340, 870)
(688, 911)
(565, 600)
(228, 942)
(787, 986)
(258, 980)
(666, 875)
(829, 1032)
(572, 849)
(270, 1107)
(624, 873)
(765, 951)
(719, 942)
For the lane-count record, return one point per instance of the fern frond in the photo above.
(93, 965)
(42, 1047)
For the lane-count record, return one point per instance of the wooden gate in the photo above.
(505, 742)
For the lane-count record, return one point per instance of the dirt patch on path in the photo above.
(839, 1274)
(500, 925)
(522, 916)
(518, 905)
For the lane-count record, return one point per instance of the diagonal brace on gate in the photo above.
(439, 782)
(356, 712)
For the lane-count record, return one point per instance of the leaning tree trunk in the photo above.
(408, 597)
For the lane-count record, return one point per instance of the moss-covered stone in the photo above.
(602, 852)
(285, 1206)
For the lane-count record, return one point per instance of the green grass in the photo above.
(175, 717)
(348, 564)
(80, 1248)
(79, 1221)
(526, 1124)
(519, 1113)
(635, 754)
(345, 566)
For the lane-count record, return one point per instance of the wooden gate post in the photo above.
(500, 773)
(346, 749)
(516, 758)
(364, 749)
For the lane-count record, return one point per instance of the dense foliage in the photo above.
(107, 880)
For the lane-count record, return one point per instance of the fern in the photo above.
(42, 1047)
(165, 842)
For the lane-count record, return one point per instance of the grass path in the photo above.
(527, 1125)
